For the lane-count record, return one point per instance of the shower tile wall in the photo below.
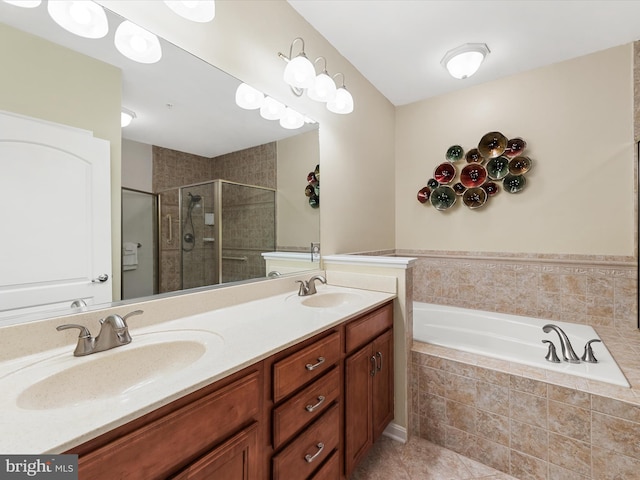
(171, 169)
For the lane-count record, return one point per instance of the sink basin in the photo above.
(330, 299)
(122, 370)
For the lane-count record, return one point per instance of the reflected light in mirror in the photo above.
(83, 18)
(197, 11)
(136, 43)
(271, 109)
(248, 97)
(126, 117)
(24, 3)
(291, 119)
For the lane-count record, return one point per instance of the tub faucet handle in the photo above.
(588, 355)
(551, 355)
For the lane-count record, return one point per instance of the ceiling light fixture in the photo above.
(343, 101)
(136, 43)
(83, 18)
(197, 11)
(126, 116)
(465, 60)
(248, 97)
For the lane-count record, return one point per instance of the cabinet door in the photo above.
(359, 370)
(236, 459)
(382, 383)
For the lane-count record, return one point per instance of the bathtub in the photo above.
(512, 338)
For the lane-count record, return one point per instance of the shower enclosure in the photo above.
(214, 232)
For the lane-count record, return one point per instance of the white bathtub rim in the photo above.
(529, 353)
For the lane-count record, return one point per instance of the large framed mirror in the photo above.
(187, 144)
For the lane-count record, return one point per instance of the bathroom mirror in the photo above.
(165, 98)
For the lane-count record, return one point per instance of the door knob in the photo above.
(101, 278)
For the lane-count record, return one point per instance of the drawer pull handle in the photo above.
(310, 458)
(311, 408)
(379, 355)
(374, 364)
(315, 365)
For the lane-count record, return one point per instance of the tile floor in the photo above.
(420, 459)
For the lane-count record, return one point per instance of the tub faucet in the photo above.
(114, 332)
(568, 355)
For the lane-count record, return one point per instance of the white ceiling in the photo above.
(398, 44)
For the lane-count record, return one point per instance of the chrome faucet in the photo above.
(308, 287)
(114, 332)
(568, 355)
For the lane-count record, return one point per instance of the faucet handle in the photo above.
(131, 314)
(85, 341)
(551, 355)
(304, 288)
(117, 321)
(588, 355)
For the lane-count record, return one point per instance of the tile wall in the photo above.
(529, 428)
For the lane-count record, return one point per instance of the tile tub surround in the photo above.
(523, 421)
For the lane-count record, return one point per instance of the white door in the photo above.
(55, 212)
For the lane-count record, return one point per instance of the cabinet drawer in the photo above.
(310, 449)
(305, 407)
(330, 470)
(165, 445)
(303, 366)
(368, 327)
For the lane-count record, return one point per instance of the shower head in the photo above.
(194, 198)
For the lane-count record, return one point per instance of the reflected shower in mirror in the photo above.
(187, 128)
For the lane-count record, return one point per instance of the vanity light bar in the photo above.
(251, 98)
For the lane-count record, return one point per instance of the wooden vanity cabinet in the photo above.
(307, 409)
(368, 394)
(215, 429)
(309, 412)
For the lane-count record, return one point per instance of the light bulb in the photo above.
(291, 119)
(248, 97)
(137, 44)
(82, 18)
(324, 89)
(271, 109)
(299, 72)
(343, 103)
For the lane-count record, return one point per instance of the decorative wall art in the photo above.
(312, 190)
(497, 161)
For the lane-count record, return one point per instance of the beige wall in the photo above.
(84, 93)
(577, 117)
(137, 165)
(356, 150)
(297, 222)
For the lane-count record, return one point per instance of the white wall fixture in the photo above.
(324, 88)
(136, 43)
(24, 3)
(197, 11)
(343, 101)
(465, 60)
(300, 74)
(84, 18)
(248, 97)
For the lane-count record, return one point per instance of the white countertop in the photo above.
(236, 337)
